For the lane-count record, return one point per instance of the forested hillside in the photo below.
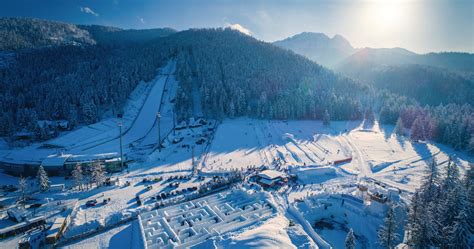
(72, 83)
(451, 124)
(112, 35)
(234, 74)
(23, 33)
(240, 76)
(428, 85)
(455, 61)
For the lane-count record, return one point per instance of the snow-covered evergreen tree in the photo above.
(98, 173)
(417, 130)
(430, 185)
(350, 241)
(22, 187)
(436, 211)
(460, 235)
(414, 226)
(469, 185)
(326, 118)
(369, 116)
(42, 178)
(387, 233)
(399, 128)
(77, 176)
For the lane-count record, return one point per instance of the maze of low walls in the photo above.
(191, 223)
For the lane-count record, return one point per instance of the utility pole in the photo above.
(121, 145)
(174, 124)
(192, 156)
(158, 117)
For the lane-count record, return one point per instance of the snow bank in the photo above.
(314, 174)
(271, 234)
(308, 229)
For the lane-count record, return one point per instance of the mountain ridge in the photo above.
(318, 47)
(31, 33)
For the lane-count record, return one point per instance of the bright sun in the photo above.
(387, 14)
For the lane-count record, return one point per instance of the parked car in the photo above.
(91, 203)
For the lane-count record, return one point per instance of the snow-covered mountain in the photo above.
(318, 47)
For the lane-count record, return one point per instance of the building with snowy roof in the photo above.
(269, 178)
(63, 164)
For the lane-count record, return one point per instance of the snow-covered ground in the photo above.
(307, 149)
(313, 148)
(122, 237)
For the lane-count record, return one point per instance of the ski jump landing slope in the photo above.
(143, 123)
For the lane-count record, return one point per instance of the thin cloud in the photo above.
(141, 19)
(88, 10)
(239, 28)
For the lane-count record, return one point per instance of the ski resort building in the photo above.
(63, 164)
(270, 178)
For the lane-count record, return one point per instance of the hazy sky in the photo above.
(418, 25)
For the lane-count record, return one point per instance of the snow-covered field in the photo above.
(125, 236)
(310, 146)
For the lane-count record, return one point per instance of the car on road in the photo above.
(91, 203)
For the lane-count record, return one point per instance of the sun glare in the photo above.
(387, 14)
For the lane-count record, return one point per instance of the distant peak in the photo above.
(312, 34)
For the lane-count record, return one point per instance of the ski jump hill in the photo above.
(101, 141)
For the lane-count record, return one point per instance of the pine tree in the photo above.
(417, 131)
(470, 146)
(453, 199)
(399, 128)
(326, 118)
(430, 186)
(22, 187)
(469, 185)
(98, 173)
(413, 226)
(350, 242)
(369, 115)
(460, 234)
(42, 178)
(387, 233)
(77, 176)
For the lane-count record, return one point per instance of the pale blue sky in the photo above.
(418, 25)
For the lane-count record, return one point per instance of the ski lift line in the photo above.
(201, 160)
(314, 153)
(262, 149)
(297, 146)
